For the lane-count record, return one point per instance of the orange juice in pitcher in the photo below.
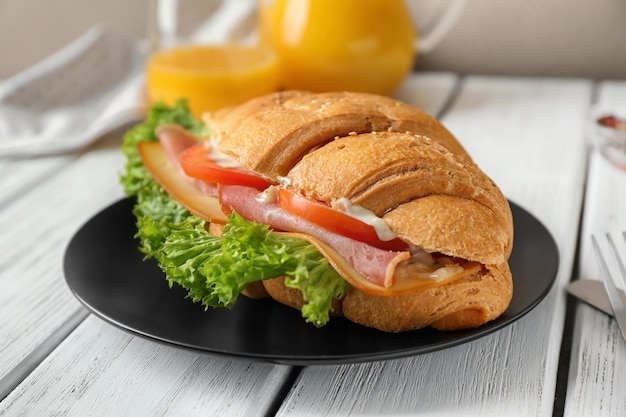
(324, 45)
(358, 45)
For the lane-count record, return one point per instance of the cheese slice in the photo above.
(170, 177)
(406, 284)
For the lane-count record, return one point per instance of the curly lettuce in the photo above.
(214, 270)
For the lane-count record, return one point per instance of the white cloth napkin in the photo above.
(96, 83)
(71, 98)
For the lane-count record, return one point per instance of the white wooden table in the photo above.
(562, 358)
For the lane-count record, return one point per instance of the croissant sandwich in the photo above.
(336, 204)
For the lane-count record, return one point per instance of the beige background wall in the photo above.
(32, 29)
(531, 37)
(543, 37)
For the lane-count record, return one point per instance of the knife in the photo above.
(593, 293)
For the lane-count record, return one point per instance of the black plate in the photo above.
(107, 273)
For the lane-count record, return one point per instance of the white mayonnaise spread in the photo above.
(269, 195)
(383, 231)
(285, 181)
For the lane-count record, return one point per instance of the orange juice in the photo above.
(211, 77)
(324, 45)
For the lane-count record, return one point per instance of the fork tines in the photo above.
(618, 303)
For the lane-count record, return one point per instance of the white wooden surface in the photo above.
(102, 371)
(528, 135)
(44, 200)
(597, 382)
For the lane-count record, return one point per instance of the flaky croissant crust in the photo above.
(403, 165)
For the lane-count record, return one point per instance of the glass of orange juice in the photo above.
(204, 66)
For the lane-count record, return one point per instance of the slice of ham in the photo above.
(376, 265)
(175, 139)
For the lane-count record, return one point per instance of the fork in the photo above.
(618, 303)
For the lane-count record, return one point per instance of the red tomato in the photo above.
(197, 163)
(330, 219)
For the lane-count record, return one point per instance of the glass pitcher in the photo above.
(358, 45)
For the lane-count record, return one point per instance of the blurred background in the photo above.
(578, 38)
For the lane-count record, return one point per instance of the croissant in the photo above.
(404, 167)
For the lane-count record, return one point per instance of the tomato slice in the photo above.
(330, 219)
(196, 161)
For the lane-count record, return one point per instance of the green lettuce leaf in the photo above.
(136, 177)
(214, 270)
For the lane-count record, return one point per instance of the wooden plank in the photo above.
(100, 369)
(21, 175)
(48, 206)
(528, 135)
(596, 384)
